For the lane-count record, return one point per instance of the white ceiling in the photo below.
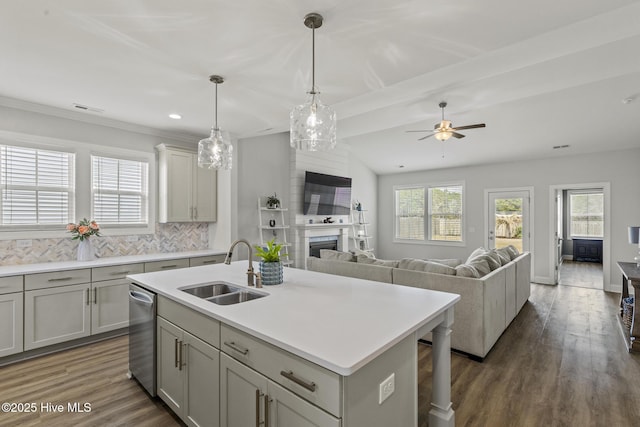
(539, 74)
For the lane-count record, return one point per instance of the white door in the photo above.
(508, 219)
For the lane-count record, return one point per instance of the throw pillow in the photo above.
(466, 270)
(481, 265)
(450, 262)
(493, 259)
(336, 255)
(513, 252)
(364, 259)
(504, 255)
(426, 266)
(478, 252)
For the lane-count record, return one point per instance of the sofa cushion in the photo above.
(481, 265)
(427, 266)
(364, 259)
(493, 259)
(513, 252)
(337, 255)
(466, 270)
(478, 252)
(504, 255)
(450, 262)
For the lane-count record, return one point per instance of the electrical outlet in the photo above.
(26, 243)
(386, 388)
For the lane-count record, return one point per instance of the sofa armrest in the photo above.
(377, 273)
(523, 279)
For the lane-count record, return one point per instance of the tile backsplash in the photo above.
(172, 237)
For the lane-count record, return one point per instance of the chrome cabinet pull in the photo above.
(195, 213)
(169, 266)
(88, 291)
(234, 346)
(59, 279)
(95, 296)
(119, 273)
(311, 386)
(180, 364)
(211, 261)
(175, 352)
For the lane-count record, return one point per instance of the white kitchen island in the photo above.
(357, 335)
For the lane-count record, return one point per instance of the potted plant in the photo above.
(273, 202)
(270, 264)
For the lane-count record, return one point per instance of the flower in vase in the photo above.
(83, 229)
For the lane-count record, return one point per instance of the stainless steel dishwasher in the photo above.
(142, 337)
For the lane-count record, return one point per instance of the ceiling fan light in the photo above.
(443, 136)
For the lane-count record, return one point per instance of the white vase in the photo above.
(85, 251)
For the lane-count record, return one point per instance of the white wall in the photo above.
(620, 169)
(365, 190)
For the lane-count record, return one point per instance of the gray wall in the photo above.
(620, 169)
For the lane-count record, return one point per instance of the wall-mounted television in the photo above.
(326, 194)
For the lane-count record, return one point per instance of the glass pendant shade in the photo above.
(313, 125)
(215, 152)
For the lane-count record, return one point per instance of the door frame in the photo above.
(606, 239)
(530, 190)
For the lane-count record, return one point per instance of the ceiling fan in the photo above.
(443, 130)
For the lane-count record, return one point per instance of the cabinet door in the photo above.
(205, 194)
(11, 320)
(202, 385)
(170, 381)
(56, 315)
(110, 305)
(287, 409)
(241, 394)
(179, 186)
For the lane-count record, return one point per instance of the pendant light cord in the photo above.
(313, 59)
(215, 110)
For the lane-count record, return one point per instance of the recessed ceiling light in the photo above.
(175, 116)
(400, 166)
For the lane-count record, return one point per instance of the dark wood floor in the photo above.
(581, 274)
(562, 362)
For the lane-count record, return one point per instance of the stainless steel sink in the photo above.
(236, 297)
(222, 293)
(209, 290)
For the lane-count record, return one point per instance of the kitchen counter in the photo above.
(339, 323)
(45, 267)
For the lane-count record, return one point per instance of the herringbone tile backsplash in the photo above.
(175, 237)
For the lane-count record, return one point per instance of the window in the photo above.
(37, 188)
(410, 213)
(445, 213)
(586, 214)
(119, 191)
(443, 206)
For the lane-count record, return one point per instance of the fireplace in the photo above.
(322, 242)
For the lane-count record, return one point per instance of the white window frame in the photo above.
(427, 215)
(83, 196)
(396, 216)
(144, 194)
(572, 235)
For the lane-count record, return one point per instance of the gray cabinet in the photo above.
(188, 375)
(206, 260)
(109, 305)
(169, 264)
(186, 192)
(11, 336)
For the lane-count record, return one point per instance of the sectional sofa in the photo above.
(487, 304)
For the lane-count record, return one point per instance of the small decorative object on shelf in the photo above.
(273, 202)
(82, 231)
(329, 220)
(270, 265)
(357, 205)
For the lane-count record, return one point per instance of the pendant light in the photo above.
(313, 124)
(215, 152)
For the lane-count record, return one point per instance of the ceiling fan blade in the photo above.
(457, 135)
(479, 125)
(425, 137)
(425, 130)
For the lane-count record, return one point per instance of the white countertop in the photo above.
(45, 267)
(337, 322)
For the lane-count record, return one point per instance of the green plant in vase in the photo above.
(270, 264)
(273, 202)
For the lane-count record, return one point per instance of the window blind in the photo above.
(119, 191)
(587, 214)
(410, 209)
(37, 187)
(445, 213)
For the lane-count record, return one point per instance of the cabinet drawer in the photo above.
(203, 327)
(57, 278)
(99, 274)
(169, 264)
(11, 284)
(314, 383)
(206, 260)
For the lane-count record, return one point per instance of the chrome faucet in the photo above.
(250, 273)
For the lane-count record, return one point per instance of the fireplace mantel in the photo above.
(321, 225)
(305, 231)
